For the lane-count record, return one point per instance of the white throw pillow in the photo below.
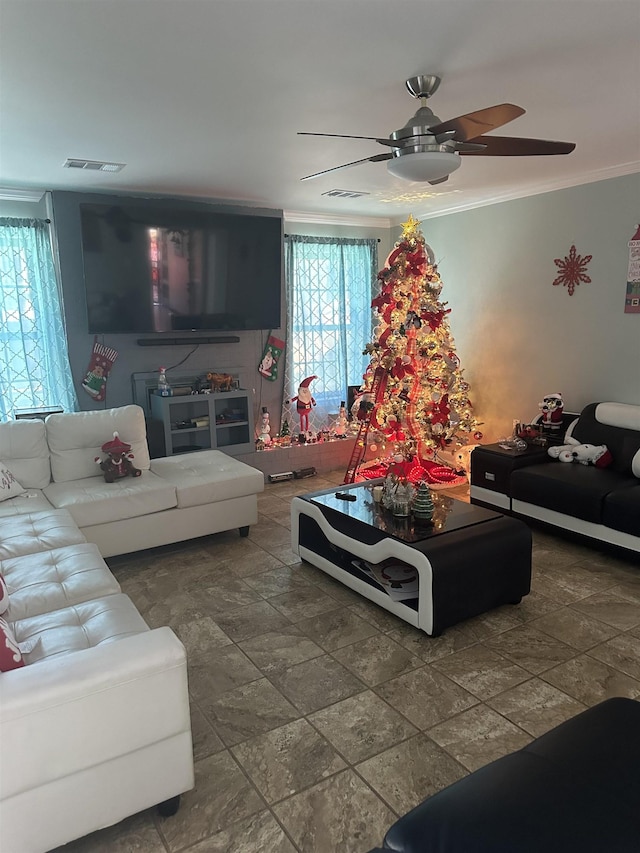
(9, 486)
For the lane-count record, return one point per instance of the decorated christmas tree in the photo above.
(423, 504)
(422, 403)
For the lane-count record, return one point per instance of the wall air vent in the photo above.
(345, 193)
(93, 165)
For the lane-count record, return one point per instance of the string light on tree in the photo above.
(426, 405)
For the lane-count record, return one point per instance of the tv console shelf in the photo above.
(216, 421)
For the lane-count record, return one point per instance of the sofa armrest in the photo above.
(75, 711)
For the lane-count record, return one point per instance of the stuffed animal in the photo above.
(551, 418)
(585, 454)
(462, 458)
(117, 464)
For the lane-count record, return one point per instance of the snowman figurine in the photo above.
(264, 434)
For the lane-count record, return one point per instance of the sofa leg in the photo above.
(516, 600)
(244, 531)
(169, 807)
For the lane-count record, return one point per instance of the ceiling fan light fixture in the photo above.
(423, 166)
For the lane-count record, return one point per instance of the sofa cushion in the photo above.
(30, 501)
(80, 626)
(76, 438)
(621, 510)
(577, 490)
(10, 654)
(208, 476)
(4, 595)
(92, 501)
(9, 485)
(52, 580)
(23, 446)
(37, 531)
(615, 424)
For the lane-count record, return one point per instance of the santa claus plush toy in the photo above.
(304, 402)
(551, 408)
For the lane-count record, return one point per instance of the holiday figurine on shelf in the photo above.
(551, 408)
(264, 434)
(423, 503)
(304, 403)
(340, 429)
(164, 389)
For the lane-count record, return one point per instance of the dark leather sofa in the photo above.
(575, 789)
(602, 503)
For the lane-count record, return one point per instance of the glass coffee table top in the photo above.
(449, 513)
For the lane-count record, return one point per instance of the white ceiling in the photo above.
(204, 97)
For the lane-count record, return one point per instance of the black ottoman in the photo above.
(576, 789)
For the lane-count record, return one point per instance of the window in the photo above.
(34, 363)
(330, 284)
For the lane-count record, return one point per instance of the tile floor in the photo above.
(318, 717)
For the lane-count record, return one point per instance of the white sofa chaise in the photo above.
(94, 720)
(175, 498)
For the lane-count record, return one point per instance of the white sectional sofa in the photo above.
(94, 718)
(176, 498)
(94, 706)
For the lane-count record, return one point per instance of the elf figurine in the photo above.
(304, 403)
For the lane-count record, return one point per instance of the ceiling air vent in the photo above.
(345, 193)
(93, 165)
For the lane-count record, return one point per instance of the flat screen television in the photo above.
(159, 267)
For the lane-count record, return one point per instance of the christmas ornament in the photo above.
(268, 367)
(423, 503)
(572, 270)
(632, 299)
(95, 380)
(304, 403)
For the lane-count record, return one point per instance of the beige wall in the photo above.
(518, 336)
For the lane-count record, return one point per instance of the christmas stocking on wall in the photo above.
(95, 380)
(268, 367)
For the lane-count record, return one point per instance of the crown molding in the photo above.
(10, 194)
(334, 219)
(574, 181)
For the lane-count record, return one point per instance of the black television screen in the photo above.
(154, 267)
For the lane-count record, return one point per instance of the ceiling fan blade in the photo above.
(377, 158)
(482, 121)
(390, 142)
(513, 146)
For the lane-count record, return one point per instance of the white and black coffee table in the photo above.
(466, 562)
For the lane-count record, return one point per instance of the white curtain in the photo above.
(34, 362)
(330, 284)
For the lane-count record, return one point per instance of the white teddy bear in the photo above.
(585, 454)
(462, 458)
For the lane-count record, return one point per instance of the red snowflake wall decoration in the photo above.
(572, 270)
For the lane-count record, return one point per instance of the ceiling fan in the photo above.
(428, 149)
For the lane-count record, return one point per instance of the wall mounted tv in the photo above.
(159, 267)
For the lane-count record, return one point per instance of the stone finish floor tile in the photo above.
(531, 649)
(222, 796)
(622, 653)
(481, 671)
(259, 833)
(377, 659)
(316, 683)
(248, 711)
(577, 630)
(478, 736)
(337, 628)
(287, 760)
(338, 814)
(362, 726)
(426, 697)
(277, 650)
(410, 772)
(590, 681)
(219, 593)
(536, 706)
(615, 610)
